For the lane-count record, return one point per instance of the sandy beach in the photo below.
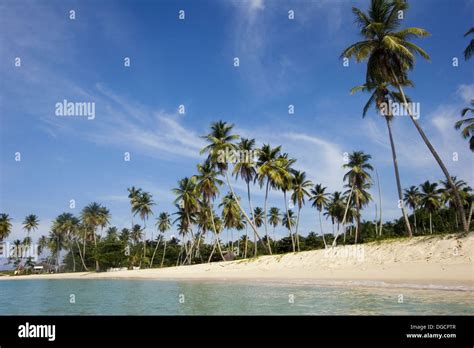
(438, 261)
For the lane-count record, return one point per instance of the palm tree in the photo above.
(320, 201)
(470, 48)
(382, 96)
(163, 224)
(92, 216)
(246, 169)
(30, 223)
(208, 186)
(285, 184)
(358, 179)
(412, 199)
(447, 196)
(67, 225)
(274, 218)
(289, 219)
(220, 144)
(269, 174)
(300, 191)
(136, 234)
(143, 207)
(133, 194)
(231, 215)
(258, 219)
(430, 199)
(468, 123)
(5, 226)
(390, 55)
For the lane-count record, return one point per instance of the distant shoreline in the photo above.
(438, 262)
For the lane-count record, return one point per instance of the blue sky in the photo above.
(190, 62)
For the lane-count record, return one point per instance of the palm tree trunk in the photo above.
(344, 217)
(431, 225)
(457, 197)
(397, 177)
(80, 255)
(470, 215)
(212, 252)
(246, 239)
(296, 230)
(266, 217)
(73, 259)
(154, 252)
(380, 201)
(164, 252)
(243, 211)
(414, 217)
(289, 220)
(321, 226)
(95, 245)
(216, 235)
(357, 218)
(253, 219)
(144, 239)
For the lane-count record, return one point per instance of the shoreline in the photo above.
(434, 262)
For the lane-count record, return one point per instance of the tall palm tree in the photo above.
(320, 201)
(68, 226)
(469, 51)
(390, 55)
(300, 190)
(430, 199)
(412, 199)
(468, 124)
(285, 184)
(221, 142)
(247, 169)
(5, 226)
(335, 208)
(270, 172)
(92, 217)
(208, 186)
(143, 207)
(30, 223)
(358, 179)
(381, 97)
(274, 218)
(163, 224)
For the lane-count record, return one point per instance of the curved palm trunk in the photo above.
(397, 177)
(321, 226)
(80, 255)
(431, 225)
(212, 251)
(266, 217)
(216, 235)
(296, 230)
(246, 239)
(289, 221)
(164, 252)
(95, 245)
(357, 217)
(457, 197)
(470, 215)
(154, 252)
(243, 211)
(344, 217)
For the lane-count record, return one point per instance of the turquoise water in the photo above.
(152, 297)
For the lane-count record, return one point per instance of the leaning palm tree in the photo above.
(30, 223)
(163, 224)
(358, 178)
(133, 194)
(300, 190)
(390, 55)
(412, 199)
(143, 207)
(320, 201)
(430, 199)
(274, 218)
(468, 124)
(469, 51)
(381, 97)
(5, 226)
(221, 144)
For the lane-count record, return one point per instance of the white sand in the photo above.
(446, 260)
